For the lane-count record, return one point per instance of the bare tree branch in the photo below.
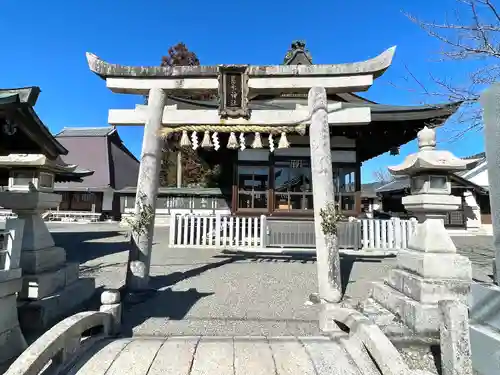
(472, 38)
(382, 175)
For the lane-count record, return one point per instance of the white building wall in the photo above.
(481, 178)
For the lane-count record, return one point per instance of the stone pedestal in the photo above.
(51, 287)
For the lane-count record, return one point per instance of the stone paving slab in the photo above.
(205, 355)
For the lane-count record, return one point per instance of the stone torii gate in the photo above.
(235, 85)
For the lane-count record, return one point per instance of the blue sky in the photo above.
(44, 44)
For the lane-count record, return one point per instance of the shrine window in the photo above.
(253, 185)
(292, 184)
(344, 186)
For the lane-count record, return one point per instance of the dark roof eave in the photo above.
(31, 125)
(380, 112)
(27, 95)
(403, 183)
(41, 134)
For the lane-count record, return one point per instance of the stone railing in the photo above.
(55, 350)
(367, 344)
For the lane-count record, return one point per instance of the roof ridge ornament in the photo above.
(298, 47)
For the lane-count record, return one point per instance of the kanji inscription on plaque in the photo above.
(233, 91)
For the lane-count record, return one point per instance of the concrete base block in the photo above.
(12, 343)
(46, 283)
(419, 317)
(8, 313)
(428, 290)
(435, 265)
(10, 286)
(484, 302)
(39, 314)
(485, 346)
(42, 260)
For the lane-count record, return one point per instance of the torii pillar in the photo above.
(147, 192)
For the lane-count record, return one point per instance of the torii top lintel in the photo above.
(375, 67)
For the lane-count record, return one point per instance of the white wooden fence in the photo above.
(72, 216)
(250, 233)
(386, 234)
(217, 231)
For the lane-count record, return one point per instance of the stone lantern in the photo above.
(430, 185)
(430, 269)
(51, 287)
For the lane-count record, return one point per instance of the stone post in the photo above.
(147, 187)
(110, 303)
(455, 338)
(490, 101)
(327, 255)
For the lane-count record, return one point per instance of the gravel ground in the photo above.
(202, 291)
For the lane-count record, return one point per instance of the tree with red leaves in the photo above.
(194, 170)
(180, 55)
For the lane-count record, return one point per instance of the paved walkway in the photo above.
(218, 356)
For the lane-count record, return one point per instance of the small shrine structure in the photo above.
(259, 117)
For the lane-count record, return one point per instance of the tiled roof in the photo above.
(402, 183)
(399, 183)
(369, 190)
(480, 155)
(86, 132)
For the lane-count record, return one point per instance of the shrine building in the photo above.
(252, 121)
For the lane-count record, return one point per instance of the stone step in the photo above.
(388, 322)
(417, 316)
(427, 290)
(377, 313)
